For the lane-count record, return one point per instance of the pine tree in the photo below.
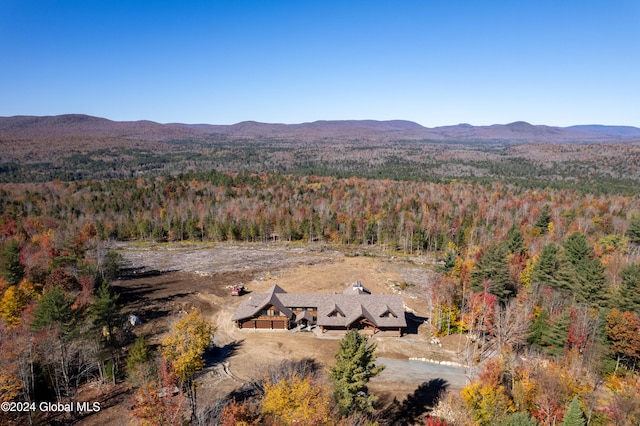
(546, 266)
(493, 268)
(577, 248)
(633, 230)
(543, 220)
(449, 261)
(591, 285)
(549, 334)
(565, 277)
(630, 288)
(54, 308)
(355, 366)
(105, 311)
(139, 366)
(55, 314)
(10, 267)
(519, 418)
(573, 416)
(111, 265)
(539, 325)
(515, 240)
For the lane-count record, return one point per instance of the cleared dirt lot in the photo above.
(164, 281)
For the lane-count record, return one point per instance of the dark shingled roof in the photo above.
(258, 302)
(381, 310)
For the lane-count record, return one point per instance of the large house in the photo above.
(355, 308)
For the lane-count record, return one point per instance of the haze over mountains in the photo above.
(19, 128)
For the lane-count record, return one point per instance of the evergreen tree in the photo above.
(573, 416)
(105, 311)
(449, 261)
(515, 240)
(591, 285)
(10, 267)
(54, 308)
(355, 366)
(557, 334)
(549, 334)
(546, 266)
(493, 268)
(55, 314)
(519, 418)
(543, 220)
(565, 277)
(538, 327)
(630, 288)
(140, 369)
(633, 230)
(111, 265)
(577, 248)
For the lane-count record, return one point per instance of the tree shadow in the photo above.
(417, 404)
(140, 272)
(215, 355)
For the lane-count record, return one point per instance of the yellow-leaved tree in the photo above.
(14, 300)
(184, 347)
(297, 400)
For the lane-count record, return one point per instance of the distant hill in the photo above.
(76, 125)
(623, 131)
(79, 147)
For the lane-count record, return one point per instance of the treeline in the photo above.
(407, 216)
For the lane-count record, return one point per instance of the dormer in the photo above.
(388, 313)
(336, 312)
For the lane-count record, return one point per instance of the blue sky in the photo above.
(221, 62)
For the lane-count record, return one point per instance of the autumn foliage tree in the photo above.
(623, 331)
(296, 400)
(158, 402)
(487, 398)
(184, 347)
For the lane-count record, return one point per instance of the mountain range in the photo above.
(21, 128)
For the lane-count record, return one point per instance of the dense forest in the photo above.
(545, 281)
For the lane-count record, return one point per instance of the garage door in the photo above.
(280, 324)
(247, 324)
(263, 324)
